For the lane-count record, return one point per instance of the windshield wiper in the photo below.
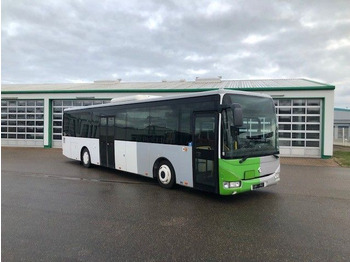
(243, 159)
(254, 137)
(260, 136)
(276, 156)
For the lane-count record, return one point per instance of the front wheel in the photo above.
(85, 158)
(166, 174)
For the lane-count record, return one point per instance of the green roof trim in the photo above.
(297, 88)
(342, 109)
(109, 91)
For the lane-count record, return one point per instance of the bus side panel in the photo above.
(72, 148)
(179, 156)
(126, 157)
(131, 157)
(139, 158)
(66, 147)
(120, 151)
(143, 159)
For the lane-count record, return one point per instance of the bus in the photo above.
(222, 141)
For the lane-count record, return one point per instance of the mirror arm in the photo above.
(223, 107)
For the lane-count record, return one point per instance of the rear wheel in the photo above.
(165, 174)
(85, 158)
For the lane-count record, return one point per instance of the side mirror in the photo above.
(237, 115)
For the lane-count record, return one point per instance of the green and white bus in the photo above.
(221, 141)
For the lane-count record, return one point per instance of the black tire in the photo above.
(165, 174)
(85, 158)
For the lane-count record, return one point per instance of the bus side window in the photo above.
(163, 124)
(120, 126)
(95, 126)
(185, 136)
(137, 125)
(67, 125)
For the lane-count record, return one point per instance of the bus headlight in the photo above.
(228, 185)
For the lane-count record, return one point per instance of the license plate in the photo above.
(258, 186)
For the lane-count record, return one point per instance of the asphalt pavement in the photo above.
(54, 209)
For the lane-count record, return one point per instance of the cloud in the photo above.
(11, 29)
(336, 44)
(254, 39)
(197, 58)
(154, 22)
(197, 71)
(68, 41)
(216, 8)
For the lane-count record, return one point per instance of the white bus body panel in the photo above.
(139, 158)
(179, 156)
(125, 154)
(120, 153)
(136, 157)
(72, 146)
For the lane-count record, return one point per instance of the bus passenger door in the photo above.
(107, 141)
(205, 151)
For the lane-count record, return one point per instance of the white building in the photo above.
(31, 114)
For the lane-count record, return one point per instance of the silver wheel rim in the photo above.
(164, 174)
(86, 158)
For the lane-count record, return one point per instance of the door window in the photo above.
(205, 152)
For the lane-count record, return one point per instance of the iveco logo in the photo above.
(259, 169)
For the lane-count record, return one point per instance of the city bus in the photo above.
(223, 141)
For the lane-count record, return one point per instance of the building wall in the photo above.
(327, 96)
(326, 130)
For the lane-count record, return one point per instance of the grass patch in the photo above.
(342, 158)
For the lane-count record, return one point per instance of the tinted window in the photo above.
(68, 125)
(95, 126)
(138, 125)
(120, 126)
(84, 125)
(185, 136)
(163, 124)
(166, 122)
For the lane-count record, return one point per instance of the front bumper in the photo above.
(252, 184)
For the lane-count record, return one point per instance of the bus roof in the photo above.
(137, 99)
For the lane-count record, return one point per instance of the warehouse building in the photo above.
(31, 114)
(341, 126)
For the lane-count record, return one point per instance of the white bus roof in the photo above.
(138, 99)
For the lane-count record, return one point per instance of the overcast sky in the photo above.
(51, 41)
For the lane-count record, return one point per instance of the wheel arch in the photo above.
(157, 163)
(81, 152)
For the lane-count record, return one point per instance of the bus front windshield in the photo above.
(258, 134)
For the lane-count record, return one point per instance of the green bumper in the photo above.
(247, 173)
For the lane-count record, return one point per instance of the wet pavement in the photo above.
(53, 209)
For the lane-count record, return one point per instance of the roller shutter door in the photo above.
(299, 123)
(22, 122)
